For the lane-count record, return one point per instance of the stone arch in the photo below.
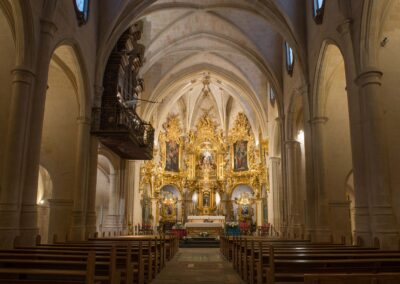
(62, 135)
(332, 138)
(268, 12)
(105, 187)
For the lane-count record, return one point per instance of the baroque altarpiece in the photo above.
(195, 173)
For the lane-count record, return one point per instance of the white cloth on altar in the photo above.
(206, 217)
(203, 225)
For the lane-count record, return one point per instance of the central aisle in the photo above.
(198, 265)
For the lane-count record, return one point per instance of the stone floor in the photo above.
(198, 265)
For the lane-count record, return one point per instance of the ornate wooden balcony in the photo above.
(124, 132)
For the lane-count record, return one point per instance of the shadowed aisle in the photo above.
(198, 265)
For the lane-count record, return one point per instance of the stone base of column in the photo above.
(384, 228)
(78, 227)
(320, 235)
(296, 231)
(90, 224)
(7, 237)
(28, 224)
(386, 240)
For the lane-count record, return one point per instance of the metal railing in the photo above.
(120, 118)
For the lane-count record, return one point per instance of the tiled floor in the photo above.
(198, 265)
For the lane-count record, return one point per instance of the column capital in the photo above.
(344, 27)
(275, 159)
(318, 120)
(279, 119)
(48, 27)
(292, 142)
(370, 75)
(21, 74)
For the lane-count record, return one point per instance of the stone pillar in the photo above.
(322, 231)
(80, 194)
(137, 208)
(276, 211)
(383, 221)
(59, 207)
(28, 219)
(293, 184)
(112, 194)
(154, 212)
(130, 194)
(359, 210)
(13, 174)
(91, 196)
(259, 213)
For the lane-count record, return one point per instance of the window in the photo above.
(289, 59)
(318, 10)
(82, 10)
(271, 96)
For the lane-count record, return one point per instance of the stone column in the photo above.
(383, 222)
(13, 174)
(112, 193)
(154, 212)
(91, 196)
(80, 194)
(137, 208)
(259, 213)
(360, 210)
(130, 194)
(321, 232)
(283, 194)
(28, 219)
(292, 175)
(276, 211)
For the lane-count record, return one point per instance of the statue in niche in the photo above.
(206, 200)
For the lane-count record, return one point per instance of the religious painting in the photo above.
(172, 156)
(240, 156)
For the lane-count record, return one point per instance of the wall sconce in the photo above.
(384, 41)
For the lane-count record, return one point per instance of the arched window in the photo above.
(271, 96)
(82, 10)
(289, 59)
(318, 10)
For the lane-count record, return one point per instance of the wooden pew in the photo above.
(356, 278)
(290, 260)
(21, 271)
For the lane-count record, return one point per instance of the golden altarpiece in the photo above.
(204, 165)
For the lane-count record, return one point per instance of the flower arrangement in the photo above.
(203, 234)
(178, 225)
(232, 224)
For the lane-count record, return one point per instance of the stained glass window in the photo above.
(82, 10)
(318, 10)
(289, 58)
(80, 4)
